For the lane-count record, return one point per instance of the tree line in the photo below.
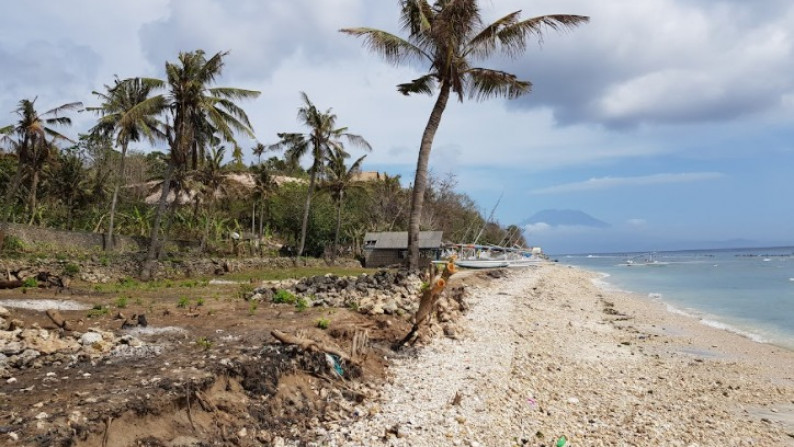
(95, 182)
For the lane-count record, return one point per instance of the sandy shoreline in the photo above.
(547, 353)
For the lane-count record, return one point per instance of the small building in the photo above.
(391, 247)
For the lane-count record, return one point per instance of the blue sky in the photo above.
(671, 120)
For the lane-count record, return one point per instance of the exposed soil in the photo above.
(220, 377)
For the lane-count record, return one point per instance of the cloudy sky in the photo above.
(671, 120)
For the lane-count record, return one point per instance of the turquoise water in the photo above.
(748, 291)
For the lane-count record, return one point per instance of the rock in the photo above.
(90, 338)
(42, 416)
(56, 318)
(27, 357)
(4, 313)
(4, 324)
(12, 348)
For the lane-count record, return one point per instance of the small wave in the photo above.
(655, 296)
(727, 327)
(674, 310)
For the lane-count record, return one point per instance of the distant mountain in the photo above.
(557, 218)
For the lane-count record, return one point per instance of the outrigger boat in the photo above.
(489, 256)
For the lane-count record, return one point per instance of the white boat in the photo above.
(487, 256)
(644, 261)
(481, 263)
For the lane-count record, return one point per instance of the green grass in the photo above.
(323, 323)
(30, 282)
(183, 302)
(122, 301)
(301, 304)
(252, 306)
(98, 311)
(284, 296)
(295, 273)
(204, 343)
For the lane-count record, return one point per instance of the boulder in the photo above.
(90, 338)
(4, 313)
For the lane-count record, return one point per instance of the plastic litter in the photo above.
(335, 363)
(562, 441)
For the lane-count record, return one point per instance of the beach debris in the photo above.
(431, 294)
(561, 441)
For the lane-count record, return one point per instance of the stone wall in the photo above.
(61, 240)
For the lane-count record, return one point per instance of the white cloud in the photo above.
(619, 182)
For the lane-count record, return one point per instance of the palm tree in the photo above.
(449, 37)
(126, 113)
(338, 178)
(31, 146)
(265, 185)
(322, 139)
(200, 115)
(70, 179)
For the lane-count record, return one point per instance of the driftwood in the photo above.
(309, 345)
(11, 284)
(427, 302)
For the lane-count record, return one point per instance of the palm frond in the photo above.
(483, 83)
(357, 140)
(392, 48)
(487, 40)
(513, 38)
(422, 85)
(234, 93)
(63, 108)
(416, 16)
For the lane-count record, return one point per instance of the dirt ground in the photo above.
(215, 375)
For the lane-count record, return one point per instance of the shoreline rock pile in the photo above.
(390, 293)
(34, 347)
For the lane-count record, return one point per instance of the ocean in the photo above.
(747, 291)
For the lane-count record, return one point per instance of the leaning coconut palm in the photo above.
(32, 149)
(338, 179)
(448, 37)
(322, 139)
(127, 114)
(200, 115)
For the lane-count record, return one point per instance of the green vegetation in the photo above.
(98, 311)
(323, 323)
(96, 182)
(200, 302)
(71, 269)
(252, 306)
(204, 343)
(301, 304)
(30, 283)
(122, 301)
(284, 296)
(183, 302)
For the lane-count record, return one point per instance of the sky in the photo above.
(670, 120)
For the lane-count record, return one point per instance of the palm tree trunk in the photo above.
(420, 180)
(338, 226)
(154, 240)
(305, 224)
(34, 186)
(119, 181)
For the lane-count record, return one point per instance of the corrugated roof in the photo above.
(399, 239)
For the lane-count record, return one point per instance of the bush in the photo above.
(284, 296)
(323, 323)
(12, 244)
(71, 269)
(121, 302)
(30, 282)
(183, 302)
(301, 304)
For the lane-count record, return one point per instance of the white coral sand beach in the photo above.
(546, 353)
